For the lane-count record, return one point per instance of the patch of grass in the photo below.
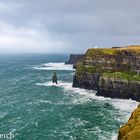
(129, 76)
(88, 69)
(107, 51)
(112, 51)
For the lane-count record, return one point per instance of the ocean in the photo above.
(32, 108)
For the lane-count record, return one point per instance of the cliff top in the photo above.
(130, 47)
(114, 50)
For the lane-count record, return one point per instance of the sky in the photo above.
(67, 26)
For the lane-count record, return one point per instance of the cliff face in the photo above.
(115, 59)
(74, 58)
(86, 81)
(131, 130)
(119, 88)
(112, 72)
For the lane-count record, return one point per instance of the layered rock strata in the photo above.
(111, 72)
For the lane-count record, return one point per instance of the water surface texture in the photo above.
(33, 108)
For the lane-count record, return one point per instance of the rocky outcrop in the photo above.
(111, 72)
(131, 130)
(74, 58)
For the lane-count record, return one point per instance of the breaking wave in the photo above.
(55, 66)
(125, 106)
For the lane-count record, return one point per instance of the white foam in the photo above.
(47, 84)
(77, 122)
(55, 66)
(126, 106)
(45, 101)
(115, 137)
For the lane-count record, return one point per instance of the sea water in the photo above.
(32, 108)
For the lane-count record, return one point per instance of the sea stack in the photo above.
(54, 78)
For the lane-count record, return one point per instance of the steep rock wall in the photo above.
(119, 88)
(86, 81)
(113, 72)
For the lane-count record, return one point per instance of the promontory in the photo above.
(112, 72)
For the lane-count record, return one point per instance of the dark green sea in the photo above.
(33, 108)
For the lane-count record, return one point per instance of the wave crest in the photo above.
(55, 66)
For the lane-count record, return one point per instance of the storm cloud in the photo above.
(67, 26)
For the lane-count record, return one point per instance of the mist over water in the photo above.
(35, 109)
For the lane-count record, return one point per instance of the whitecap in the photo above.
(44, 101)
(115, 137)
(55, 66)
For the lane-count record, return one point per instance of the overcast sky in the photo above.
(71, 26)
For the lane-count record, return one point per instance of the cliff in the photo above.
(74, 58)
(112, 72)
(131, 130)
(119, 88)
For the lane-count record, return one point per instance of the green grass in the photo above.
(83, 69)
(107, 51)
(129, 76)
(126, 75)
(88, 69)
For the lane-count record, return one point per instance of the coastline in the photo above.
(113, 73)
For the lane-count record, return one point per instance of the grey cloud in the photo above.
(78, 24)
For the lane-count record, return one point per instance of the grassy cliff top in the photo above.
(113, 51)
(111, 67)
(133, 48)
